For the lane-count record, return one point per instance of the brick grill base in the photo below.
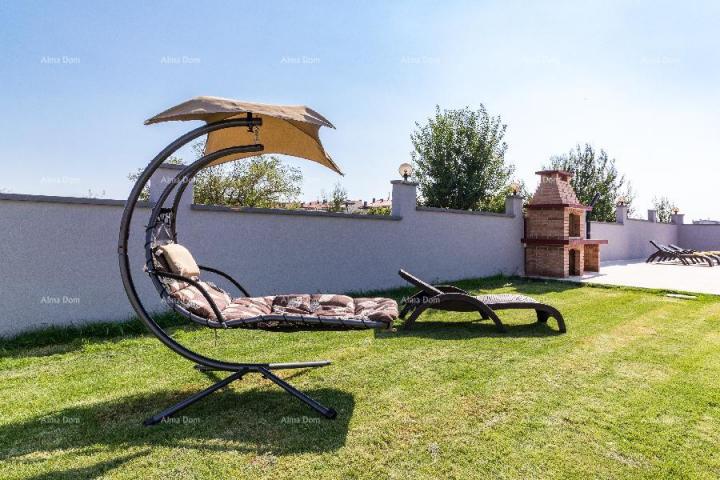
(554, 261)
(592, 258)
(546, 260)
(579, 264)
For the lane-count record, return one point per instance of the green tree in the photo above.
(262, 181)
(595, 172)
(459, 158)
(379, 211)
(338, 197)
(496, 203)
(665, 208)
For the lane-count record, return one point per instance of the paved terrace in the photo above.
(669, 276)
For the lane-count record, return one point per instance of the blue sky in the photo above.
(639, 79)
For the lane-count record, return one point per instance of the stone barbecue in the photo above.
(555, 237)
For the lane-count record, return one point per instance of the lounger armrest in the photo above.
(227, 277)
(425, 287)
(451, 289)
(683, 250)
(200, 288)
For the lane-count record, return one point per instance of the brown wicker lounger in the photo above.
(713, 255)
(454, 299)
(673, 253)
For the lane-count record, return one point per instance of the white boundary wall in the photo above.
(60, 266)
(629, 238)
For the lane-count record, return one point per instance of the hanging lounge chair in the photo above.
(215, 308)
(454, 299)
(233, 132)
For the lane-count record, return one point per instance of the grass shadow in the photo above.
(443, 330)
(228, 420)
(93, 471)
(66, 339)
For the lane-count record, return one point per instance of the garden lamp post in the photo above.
(405, 171)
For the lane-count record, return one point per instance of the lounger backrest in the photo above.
(661, 247)
(425, 287)
(666, 249)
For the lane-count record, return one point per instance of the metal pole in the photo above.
(170, 411)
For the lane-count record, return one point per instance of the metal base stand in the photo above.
(266, 372)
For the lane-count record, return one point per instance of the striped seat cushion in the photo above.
(297, 305)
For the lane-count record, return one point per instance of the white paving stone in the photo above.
(637, 273)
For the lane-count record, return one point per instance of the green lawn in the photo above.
(631, 391)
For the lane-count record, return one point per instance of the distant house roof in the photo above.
(378, 203)
(350, 206)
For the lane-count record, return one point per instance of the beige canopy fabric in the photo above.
(286, 129)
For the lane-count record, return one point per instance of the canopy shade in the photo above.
(286, 129)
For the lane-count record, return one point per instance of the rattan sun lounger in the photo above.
(451, 298)
(712, 255)
(665, 253)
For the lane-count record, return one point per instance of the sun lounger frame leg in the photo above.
(438, 300)
(544, 312)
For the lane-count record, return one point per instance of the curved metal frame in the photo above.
(201, 289)
(127, 216)
(226, 277)
(202, 362)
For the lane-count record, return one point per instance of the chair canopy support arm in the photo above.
(190, 174)
(197, 285)
(124, 235)
(227, 277)
(186, 175)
